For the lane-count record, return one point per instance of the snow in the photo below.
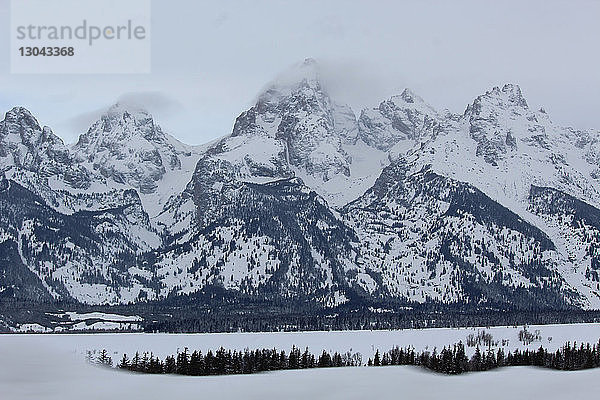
(70, 321)
(543, 154)
(105, 326)
(73, 316)
(37, 366)
(171, 184)
(125, 149)
(32, 328)
(365, 342)
(365, 166)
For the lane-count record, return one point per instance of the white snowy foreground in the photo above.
(54, 367)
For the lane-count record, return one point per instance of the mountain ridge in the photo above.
(304, 200)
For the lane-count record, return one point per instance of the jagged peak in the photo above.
(510, 92)
(299, 87)
(21, 122)
(22, 116)
(514, 94)
(309, 61)
(303, 75)
(409, 96)
(18, 111)
(122, 121)
(509, 95)
(409, 99)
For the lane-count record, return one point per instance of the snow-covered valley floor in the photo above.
(39, 366)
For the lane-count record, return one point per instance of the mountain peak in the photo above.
(18, 110)
(507, 97)
(25, 144)
(295, 124)
(303, 75)
(23, 117)
(404, 118)
(309, 61)
(509, 94)
(124, 121)
(128, 112)
(24, 128)
(410, 97)
(120, 108)
(514, 94)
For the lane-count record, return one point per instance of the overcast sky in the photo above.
(209, 61)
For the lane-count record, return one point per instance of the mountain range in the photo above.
(306, 201)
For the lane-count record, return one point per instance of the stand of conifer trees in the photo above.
(225, 362)
(453, 360)
(450, 360)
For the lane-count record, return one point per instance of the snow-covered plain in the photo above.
(36, 366)
(71, 321)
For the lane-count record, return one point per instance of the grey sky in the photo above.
(209, 61)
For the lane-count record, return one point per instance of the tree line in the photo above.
(450, 360)
(226, 362)
(255, 319)
(453, 360)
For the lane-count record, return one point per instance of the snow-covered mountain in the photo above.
(305, 201)
(506, 150)
(77, 217)
(402, 121)
(296, 129)
(126, 147)
(30, 150)
(256, 216)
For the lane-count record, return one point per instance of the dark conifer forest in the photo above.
(450, 360)
(216, 311)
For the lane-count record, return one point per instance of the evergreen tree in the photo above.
(476, 361)
(104, 359)
(124, 363)
(135, 362)
(170, 365)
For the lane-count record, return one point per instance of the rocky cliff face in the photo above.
(404, 119)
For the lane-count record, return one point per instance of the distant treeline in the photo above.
(187, 320)
(453, 360)
(233, 315)
(450, 360)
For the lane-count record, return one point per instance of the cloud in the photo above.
(153, 102)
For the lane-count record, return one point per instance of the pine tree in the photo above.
(183, 362)
(476, 361)
(196, 366)
(170, 365)
(124, 363)
(135, 363)
(377, 359)
(104, 358)
(324, 360)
